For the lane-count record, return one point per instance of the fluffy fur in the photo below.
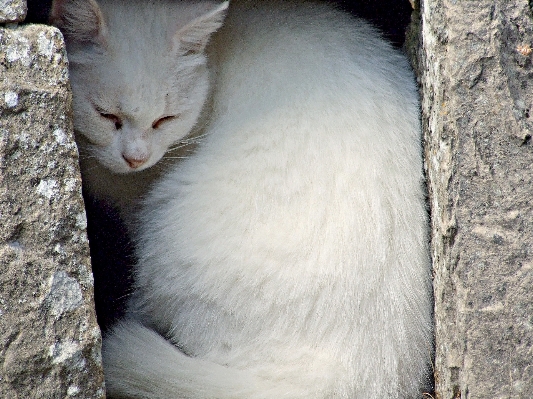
(287, 257)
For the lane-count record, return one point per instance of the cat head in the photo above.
(138, 73)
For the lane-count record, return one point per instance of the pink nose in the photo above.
(134, 163)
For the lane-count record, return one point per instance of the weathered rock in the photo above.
(12, 10)
(477, 97)
(49, 338)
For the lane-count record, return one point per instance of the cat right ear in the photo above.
(194, 36)
(81, 21)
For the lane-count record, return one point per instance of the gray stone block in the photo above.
(477, 98)
(49, 338)
(12, 10)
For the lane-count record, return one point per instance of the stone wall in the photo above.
(475, 67)
(49, 338)
(477, 96)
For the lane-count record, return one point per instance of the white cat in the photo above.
(287, 257)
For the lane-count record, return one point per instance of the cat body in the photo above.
(287, 256)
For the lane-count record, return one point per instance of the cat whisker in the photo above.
(188, 141)
(127, 295)
(196, 138)
(177, 147)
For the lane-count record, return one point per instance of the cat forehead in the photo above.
(118, 89)
(137, 98)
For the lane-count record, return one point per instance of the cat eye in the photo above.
(113, 118)
(157, 123)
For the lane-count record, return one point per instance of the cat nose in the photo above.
(133, 162)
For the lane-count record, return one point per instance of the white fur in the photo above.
(286, 258)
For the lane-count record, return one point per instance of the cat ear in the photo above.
(81, 21)
(194, 36)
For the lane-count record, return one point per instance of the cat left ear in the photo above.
(194, 36)
(81, 21)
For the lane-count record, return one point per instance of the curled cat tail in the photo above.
(140, 363)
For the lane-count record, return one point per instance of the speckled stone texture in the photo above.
(477, 98)
(49, 338)
(12, 10)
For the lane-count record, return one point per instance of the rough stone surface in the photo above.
(12, 10)
(477, 97)
(49, 339)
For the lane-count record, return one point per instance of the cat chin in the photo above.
(129, 171)
(124, 169)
